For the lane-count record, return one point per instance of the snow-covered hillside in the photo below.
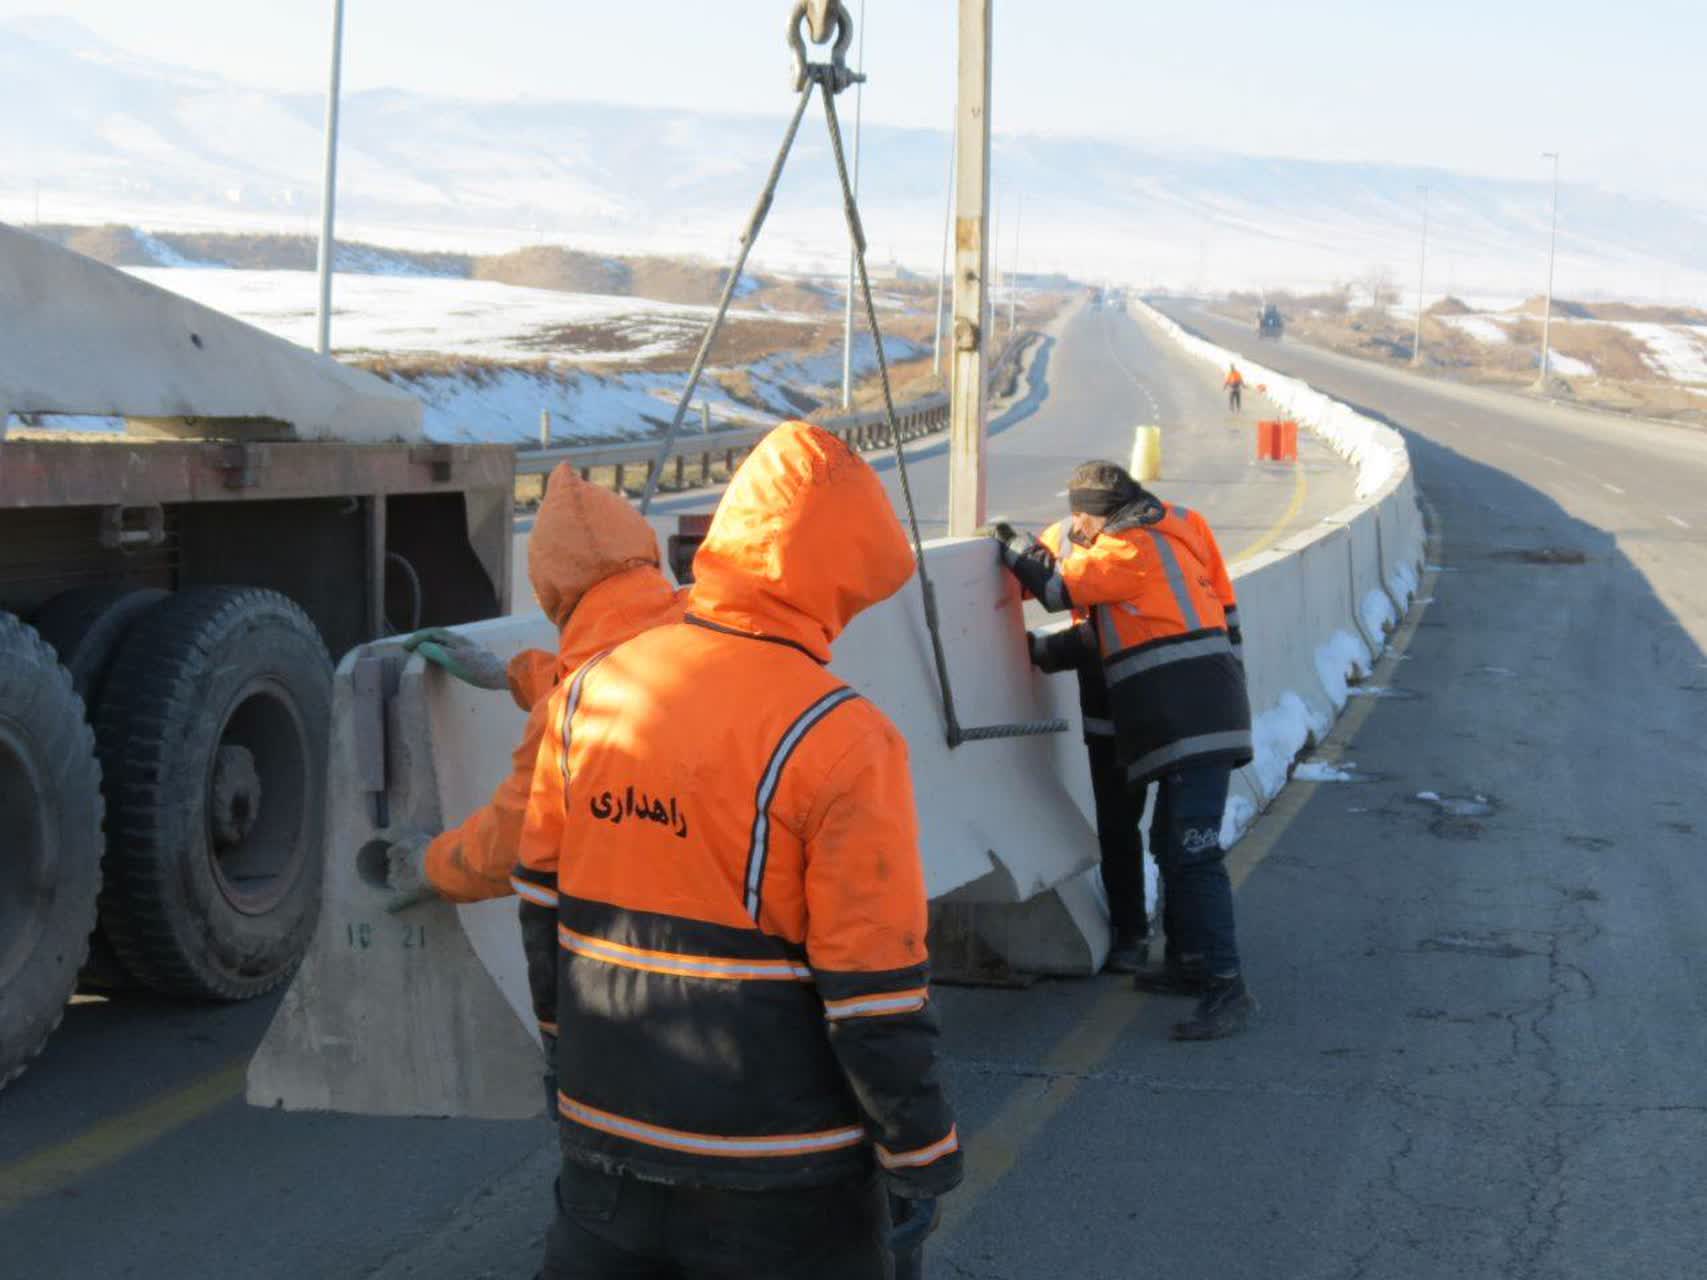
(106, 136)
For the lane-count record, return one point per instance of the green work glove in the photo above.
(460, 657)
(406, 882)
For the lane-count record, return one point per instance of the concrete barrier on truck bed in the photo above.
(426, 1012)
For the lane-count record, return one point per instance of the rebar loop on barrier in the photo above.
(831, 78)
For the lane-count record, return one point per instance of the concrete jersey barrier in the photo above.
(1316, 609)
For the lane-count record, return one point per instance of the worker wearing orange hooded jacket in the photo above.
(721, 849)
(593, 562)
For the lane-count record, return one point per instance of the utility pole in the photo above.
(1422, 259)
(942, 267)
(847, 317)
(971, 260)
(1552, 244)
(329, 186)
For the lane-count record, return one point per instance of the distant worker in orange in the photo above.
(593, 562)
(1235, 384)
(724, 911)
(1160, 653)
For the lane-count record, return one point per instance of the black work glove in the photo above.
(1012, 544)
(911, 1222)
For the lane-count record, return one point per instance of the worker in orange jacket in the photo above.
(1234, 382)
(593, 562)
(1157, 640)
(721, 860)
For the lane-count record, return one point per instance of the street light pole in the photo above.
(1422, 261)
(847, 318)
(1552, 245)
(329, 186)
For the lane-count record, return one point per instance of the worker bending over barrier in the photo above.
(593, 561)
(1157, 645)
(724, 911)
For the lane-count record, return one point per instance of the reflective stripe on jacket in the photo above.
(471, 861)
(1164, 621)
(724, 841)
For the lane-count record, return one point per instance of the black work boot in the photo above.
(1173, 977)
(1129, 952)
(1223, 1011)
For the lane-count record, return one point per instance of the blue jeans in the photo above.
(1197, 896)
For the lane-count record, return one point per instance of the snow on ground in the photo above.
(166, 255)
(1483, 328)
(1675, 351)
(504, 406)
(1566, 366)
(397, 314)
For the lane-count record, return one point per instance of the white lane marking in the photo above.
(1681, 524)
(1611, 487)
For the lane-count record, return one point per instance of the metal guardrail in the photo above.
(867, 430)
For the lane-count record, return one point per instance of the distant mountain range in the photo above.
(99, 135)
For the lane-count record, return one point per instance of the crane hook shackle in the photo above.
(820, 16)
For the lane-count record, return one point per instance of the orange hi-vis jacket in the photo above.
(1160, 617)
(1233, 379)
(722, 851)
(593, 562)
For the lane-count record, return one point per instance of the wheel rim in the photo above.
(256, 799)
(26, 882)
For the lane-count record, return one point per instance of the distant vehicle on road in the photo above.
(1269, 322)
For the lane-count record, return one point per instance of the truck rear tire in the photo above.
(50, 862)
(213, 736)
(85, 626)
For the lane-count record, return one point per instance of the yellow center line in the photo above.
(1276, 531)
(59, 1166)
(995, 1148)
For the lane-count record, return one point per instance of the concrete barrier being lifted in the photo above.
(426, 1012)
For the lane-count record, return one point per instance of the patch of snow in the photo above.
(420, 314)
(1675, 351)
(1567, 366)
(1323, 771)
(1483, 328)
(166, 256)
(1236, 819)
(1343, 655)
(1377, 614)
(1428, 795)
(1403, 583)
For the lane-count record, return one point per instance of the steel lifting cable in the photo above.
(831, 78)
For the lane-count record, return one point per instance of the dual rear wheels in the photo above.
(210, 710)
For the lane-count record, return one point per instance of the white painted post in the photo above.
(1552, 244)
(329, 186)
(1422, 259)
(545, 428)
(972, 212)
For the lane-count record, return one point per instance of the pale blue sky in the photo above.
(1481, 85)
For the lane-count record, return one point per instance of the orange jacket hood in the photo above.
(611, 612)
(581, 536)
(803, 541)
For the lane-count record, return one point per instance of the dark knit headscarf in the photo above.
(1100, 488)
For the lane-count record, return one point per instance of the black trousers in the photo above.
(614, 1227)
(1119, 808)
